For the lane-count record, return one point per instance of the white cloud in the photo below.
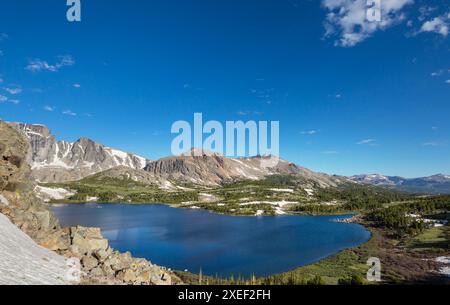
(366, 142)
(48, 108)
(310, 132)
(37, 65)
(15, 102)
(13, 90)
(448, 81)
(3, 98)
(347, 19)
(439, 25)
(77, 86)
(438, 73)
(69, 112)
(434, 143)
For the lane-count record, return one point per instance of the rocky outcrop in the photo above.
(59, 161)
(99, 263)
(103, 265)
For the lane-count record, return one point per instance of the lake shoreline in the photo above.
(314, 261)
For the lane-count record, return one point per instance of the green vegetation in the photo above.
(123, 189)
(397, 236)
(398, 218)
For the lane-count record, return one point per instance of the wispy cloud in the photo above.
(434, 143)
(76, 86)
(439, 72)
(347, 21)
(69, 112)
(366, 142)
(3, 98)
(49, 108)
(310, 132)
(448, 81)
(37, 65)
(13, 90)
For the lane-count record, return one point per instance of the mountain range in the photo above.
(55, 161)
(436, 184)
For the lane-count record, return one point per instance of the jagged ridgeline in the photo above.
(55, 161)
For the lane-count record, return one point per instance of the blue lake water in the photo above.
(217, 244)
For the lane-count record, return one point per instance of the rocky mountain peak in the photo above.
(57, 161)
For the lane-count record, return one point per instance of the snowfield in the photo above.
(23, 262)
(47, 194)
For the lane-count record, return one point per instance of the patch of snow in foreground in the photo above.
(275, 203)
(23, 262)
(259, 213)
(310, 192)
(166, 185)
(445, 271)
(47, 193)
(3, 200)
(282, 190)
(444, 260)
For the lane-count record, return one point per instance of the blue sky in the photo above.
(351, 96)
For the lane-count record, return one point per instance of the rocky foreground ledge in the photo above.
(34, 249)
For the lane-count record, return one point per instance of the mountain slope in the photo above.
(437, 184)
(57, 161)
(214, 169)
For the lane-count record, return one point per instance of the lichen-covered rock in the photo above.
(57, 241)
(88, 240)
(89, 262)
(102, 254)
(118, 261)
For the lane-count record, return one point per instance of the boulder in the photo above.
(89, 262)
(128, 276)
(57, 241)
(97, 272)
(102, 254)
(88, 240)
(118, 261)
